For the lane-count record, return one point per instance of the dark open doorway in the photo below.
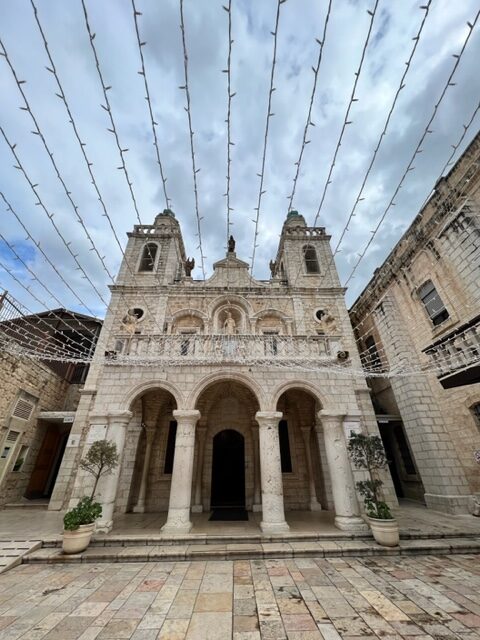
(228, 470)
(47, 463)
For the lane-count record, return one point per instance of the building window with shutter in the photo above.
(433, 303)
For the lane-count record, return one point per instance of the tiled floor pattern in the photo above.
(434, 597)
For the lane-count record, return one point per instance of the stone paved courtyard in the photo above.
(390, 597)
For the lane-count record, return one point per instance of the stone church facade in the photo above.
(225, 393)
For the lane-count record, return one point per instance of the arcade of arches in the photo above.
(228, 454)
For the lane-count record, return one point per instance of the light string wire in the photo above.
(38, 246)
(410, 166)
(401, 86)
(82, 145)
(261, 175)
(230, 95)
(308, 121)
(33, 186)
(107, 107)
(188, 110)
(18, 258)
(346, 121)
(153, 122)
(58, 344)
(15, 324)
(449, 202)
(51, 216)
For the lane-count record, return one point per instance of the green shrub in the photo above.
(367, 452)
(85, 512)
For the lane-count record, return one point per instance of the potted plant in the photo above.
(367, 453)
(79, 522)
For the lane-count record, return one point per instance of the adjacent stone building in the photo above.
(419, 318)
(229, 393)
(38, 400)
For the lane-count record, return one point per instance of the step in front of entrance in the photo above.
(252, 551)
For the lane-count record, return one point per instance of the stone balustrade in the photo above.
(457, 351)
(205, 349)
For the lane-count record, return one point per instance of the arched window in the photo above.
(311, 262)
(148, 257)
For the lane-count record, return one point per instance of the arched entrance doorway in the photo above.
(228, 470)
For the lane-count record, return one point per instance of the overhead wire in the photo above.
(188, 110)
(261, 175)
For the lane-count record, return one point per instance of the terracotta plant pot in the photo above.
(385, 532)
(77, 540)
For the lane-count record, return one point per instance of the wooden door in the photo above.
(44, 463)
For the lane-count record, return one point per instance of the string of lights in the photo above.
(346, 120)
(230, 95)
(400, 88)
(153, 122)
(418, 150)
(82, 147)
(261, 175)
(38, 246)
(188, 109)
(107, 107)
(308, 122)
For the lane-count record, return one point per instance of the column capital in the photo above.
(268, 417)
(326, 415)
(119, 417)
(182, 415)
(98, 418)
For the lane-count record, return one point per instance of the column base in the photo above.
(453, 504)
(315, 506)
(197, 508)
(177, 524)
(351, 523)
(139, 508)
(274, 527)
(104, 527)
(256, 508)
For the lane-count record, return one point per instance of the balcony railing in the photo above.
(209, 349)
(456, 351)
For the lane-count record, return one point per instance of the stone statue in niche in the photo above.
(229, 326)
(328, 324)
(189, 265)
(231, 244)
(130, 321)
(273, 267)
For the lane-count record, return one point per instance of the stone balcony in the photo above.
(199, 349)
(456, 357)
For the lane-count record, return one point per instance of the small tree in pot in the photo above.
(367, 453)
(79, 523)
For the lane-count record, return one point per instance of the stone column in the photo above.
(347, 511)
(273, 514)
(198, 503)
(149, 436)
(314, 504)
(107, 486)
(178, 520)
(257, 500)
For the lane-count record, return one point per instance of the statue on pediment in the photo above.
(231, 244)
(189, 265)
(273, 267)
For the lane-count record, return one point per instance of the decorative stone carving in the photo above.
(229, 326)
(130, 321)
(189, 265)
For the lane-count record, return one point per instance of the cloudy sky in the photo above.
(396, 22)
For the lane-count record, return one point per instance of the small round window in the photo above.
(319, 313)
(139, 313)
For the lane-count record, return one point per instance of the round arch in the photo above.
(211, 379)
(137, 391)
(300, 385)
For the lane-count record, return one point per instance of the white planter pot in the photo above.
(385, 532)
(77, 540)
